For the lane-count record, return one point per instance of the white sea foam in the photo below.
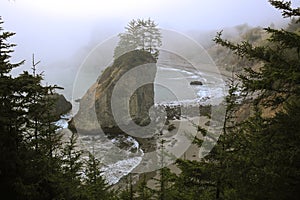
(119, 156)
(211, 92)
(122, 154)
(63, 122)
(115, 171)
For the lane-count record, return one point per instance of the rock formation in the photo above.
(196, 83)
(131, 74)
(60, 106)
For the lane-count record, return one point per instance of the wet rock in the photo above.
(196, 83)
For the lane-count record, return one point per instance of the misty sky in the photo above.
(66, 25)
(57, 31)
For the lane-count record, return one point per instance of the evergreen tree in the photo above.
(258, 157)
(95, 186)
(127, 193)
(140, 34)
(153, 38)
(72, 167)
(165, 182)
(29, 141)
(210, 178)
(42, 163)
(143, 191)
(11, 120)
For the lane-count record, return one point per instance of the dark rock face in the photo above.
(120, 92)
(196, 83)
(173, 112)
(178, 111)
(61, 106)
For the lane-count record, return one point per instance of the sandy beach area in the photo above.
(190, 151)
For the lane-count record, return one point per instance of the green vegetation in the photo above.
(35, 163)
(140, 35)
(256, 157)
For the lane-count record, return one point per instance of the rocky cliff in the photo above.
(122, 95)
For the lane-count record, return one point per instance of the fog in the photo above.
(62, 33)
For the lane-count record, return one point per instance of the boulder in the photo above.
(196, 83)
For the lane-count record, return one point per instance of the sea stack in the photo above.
(95, 111)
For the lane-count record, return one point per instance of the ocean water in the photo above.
(122, 154)
(118, 156)
(172, 85)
